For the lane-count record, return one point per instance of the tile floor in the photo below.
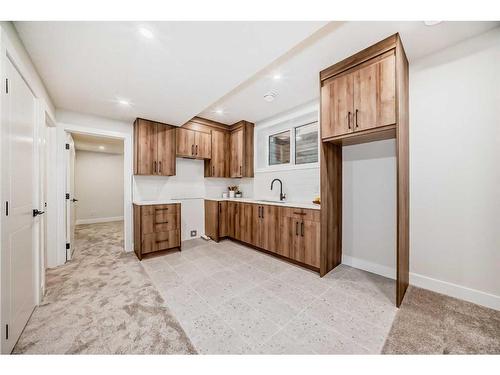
(232, 299)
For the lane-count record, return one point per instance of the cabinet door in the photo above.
(203, 145)
(223, 227)
(212, 219)
(310, 235)
(219, 157)
(231, 217)
(287, 236)
(236, 162)
(237, 220)
(246, 222)
(337, 106)
(145, 147)
(165, 141)
(269, 228)
(185, 142)
(375, 94)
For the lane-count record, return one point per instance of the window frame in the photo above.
(295, 143)
(269, 148)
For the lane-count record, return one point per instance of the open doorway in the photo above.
(94, 190)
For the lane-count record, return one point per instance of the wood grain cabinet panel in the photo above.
(219, 161)
(236, 154)
(154, 148)
(223, 219)
(375, 94)
(165, 141)
(185, 142)
(203, 145)
(338, 107)
(156, 228)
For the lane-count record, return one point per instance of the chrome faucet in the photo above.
(282, 196)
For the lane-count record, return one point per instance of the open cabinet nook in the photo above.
(364, 98)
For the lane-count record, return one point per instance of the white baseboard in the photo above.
(453, 290)
(365, 265)
(458, 291)
(98, 220)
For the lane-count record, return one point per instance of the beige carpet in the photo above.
(431, 323)
(102, 302)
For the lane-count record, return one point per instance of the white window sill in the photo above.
(287, 167)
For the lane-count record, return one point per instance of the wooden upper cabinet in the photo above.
(185, 142)
(375, 94)
(144, 147)
(203, 145)
(236, 155)
(193, 144)
(165, 144)
(361, 98)
(337, 108)
(154, 148)
(219, 162)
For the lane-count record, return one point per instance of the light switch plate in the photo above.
(193, 233)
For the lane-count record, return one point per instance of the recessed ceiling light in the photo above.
(146, 33)
(101, 147)
(270, 96)
(277, 77)
(218, 111)
(123, 102)
(432, 23)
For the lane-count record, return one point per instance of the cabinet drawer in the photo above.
(160, 241)
(166, 222)
(159, 208)
(301, 214)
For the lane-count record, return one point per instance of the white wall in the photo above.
(98, 186)
(454, 169)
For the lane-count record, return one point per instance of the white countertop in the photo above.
(271, 203)
(149, 203)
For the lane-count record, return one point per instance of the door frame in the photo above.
(62, 130)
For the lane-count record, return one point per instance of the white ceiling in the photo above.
(84, 142)
(89, 66)
(300, 68)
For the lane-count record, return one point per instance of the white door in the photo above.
(70, 199)
(18, 283)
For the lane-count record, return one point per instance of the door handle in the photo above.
(357, 118)
(74, 200)
(296, 228)
(349, 119)
(37, 212)
(302, 229)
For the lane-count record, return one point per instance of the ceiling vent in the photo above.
(270, 96)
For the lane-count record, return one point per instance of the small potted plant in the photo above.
(238, 193)
(232, 191)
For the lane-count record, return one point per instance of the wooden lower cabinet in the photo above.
(156, 228)
(288, 232)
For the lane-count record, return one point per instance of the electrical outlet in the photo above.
(193, 233)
